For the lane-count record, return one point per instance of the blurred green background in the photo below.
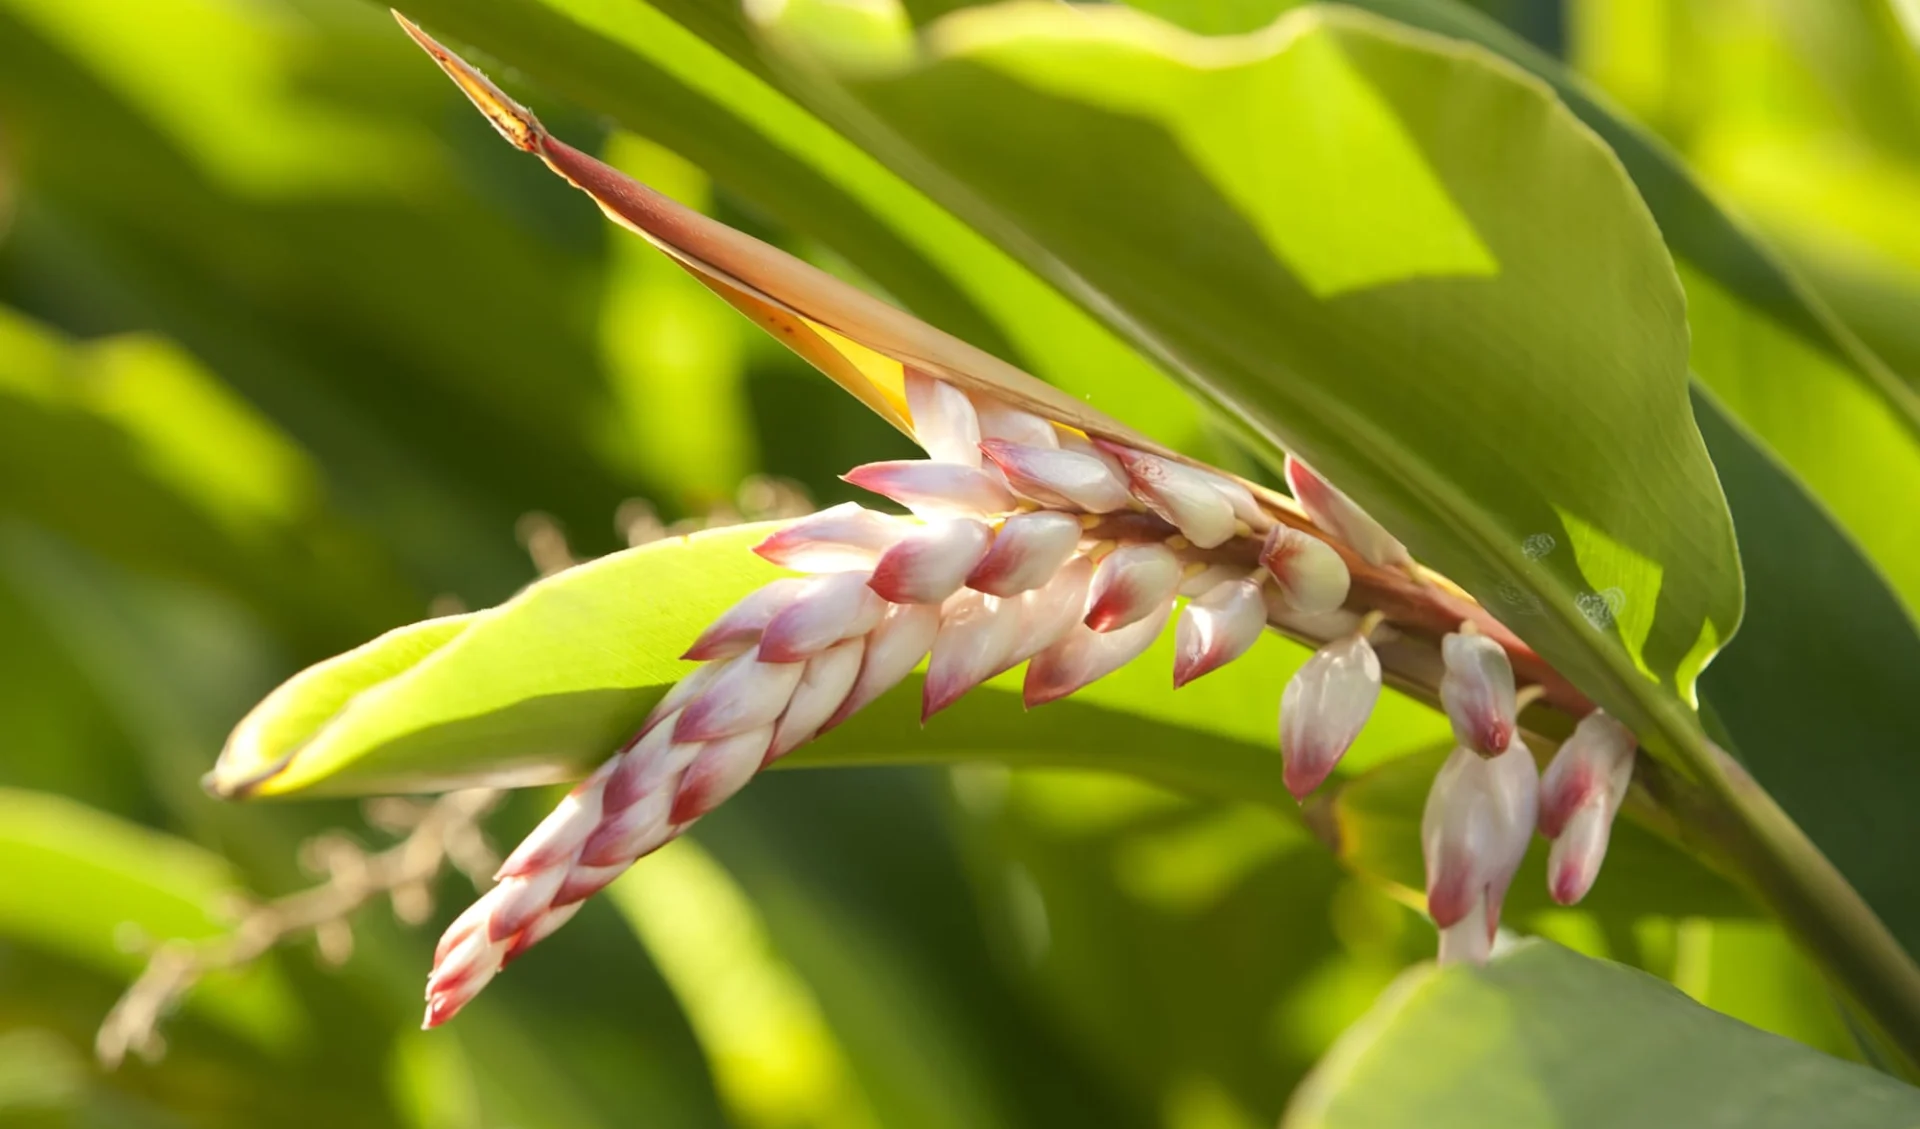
(292, 350)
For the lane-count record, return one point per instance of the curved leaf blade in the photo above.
(1542, 1036)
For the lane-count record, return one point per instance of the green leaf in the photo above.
(80, 881)
(547, 685)
(1544, 1037)
(1771, 350)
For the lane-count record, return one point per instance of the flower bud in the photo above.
(1580, 795)
(830, 608)
(1311, 577)
(978, 634)
(1478, 820)
(1337, 514)
(1185, 497)
(1026, 553)
(1064, 479)
(1217, 628)
(824, 685)
(843, 538)
(1084, 655)
(722, 768)
(894, 648)
(932, 562)
(1326, 704)
(1129, 583)
(1477, 691)
(944, 423)
(746, 694)
(559, 835)
(1011, 425)
(739, 628)
(933, 489)
(1048, 612)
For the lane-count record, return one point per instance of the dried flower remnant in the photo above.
(1041, 533)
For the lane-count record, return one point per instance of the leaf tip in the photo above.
(515, 122)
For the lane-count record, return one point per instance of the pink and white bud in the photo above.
(932, 562)
(1186, 497)
(829, 608)
(1011, 425)
(944, 423)
(1478, 820)
(1217, 628)
(1047, 613)
(1311, 577)
(1131, 583)
(1336, 513)
(722, 768)
(933, 489)
(847, 537)
(641, 826)
(1477, 691)
(1580, 795)
(977, 638)
(1083, 656)
(518, 900)
(1326, 704)
(1026, 553)
(894, 648)
(558, 837)
(739, 627)
(1245, 507)
(747, 694)
(1064, 479)
(1198, 580)
(827, 681)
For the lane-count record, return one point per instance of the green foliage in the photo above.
(1543, 1037)
(289, 343)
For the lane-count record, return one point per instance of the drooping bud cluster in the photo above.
(1579, 796)
(1029, 542)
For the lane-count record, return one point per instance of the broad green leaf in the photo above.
(1812, 695)
(1544, 1037)
(80, 883)
(1770, 349)
(544, 687)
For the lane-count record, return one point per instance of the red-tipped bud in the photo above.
(739, 628)
(1326, 704)
(1026, 553)
(746, 694)
(932, 562)
(893, 649)
(828, 680)
(1130, 583)
(944, 423)
(828, 609)
(1310, 576)
(1011, 425)
(1477, 691)
(1048, 612)
(1217, 628)
(1184, 496)
(1084, 655)
(1580, 794)
(934, 489)
(978, 634)
(722, 768)
(1053, 477)
(1337, 514)
(844, 538)
(1478, 820)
